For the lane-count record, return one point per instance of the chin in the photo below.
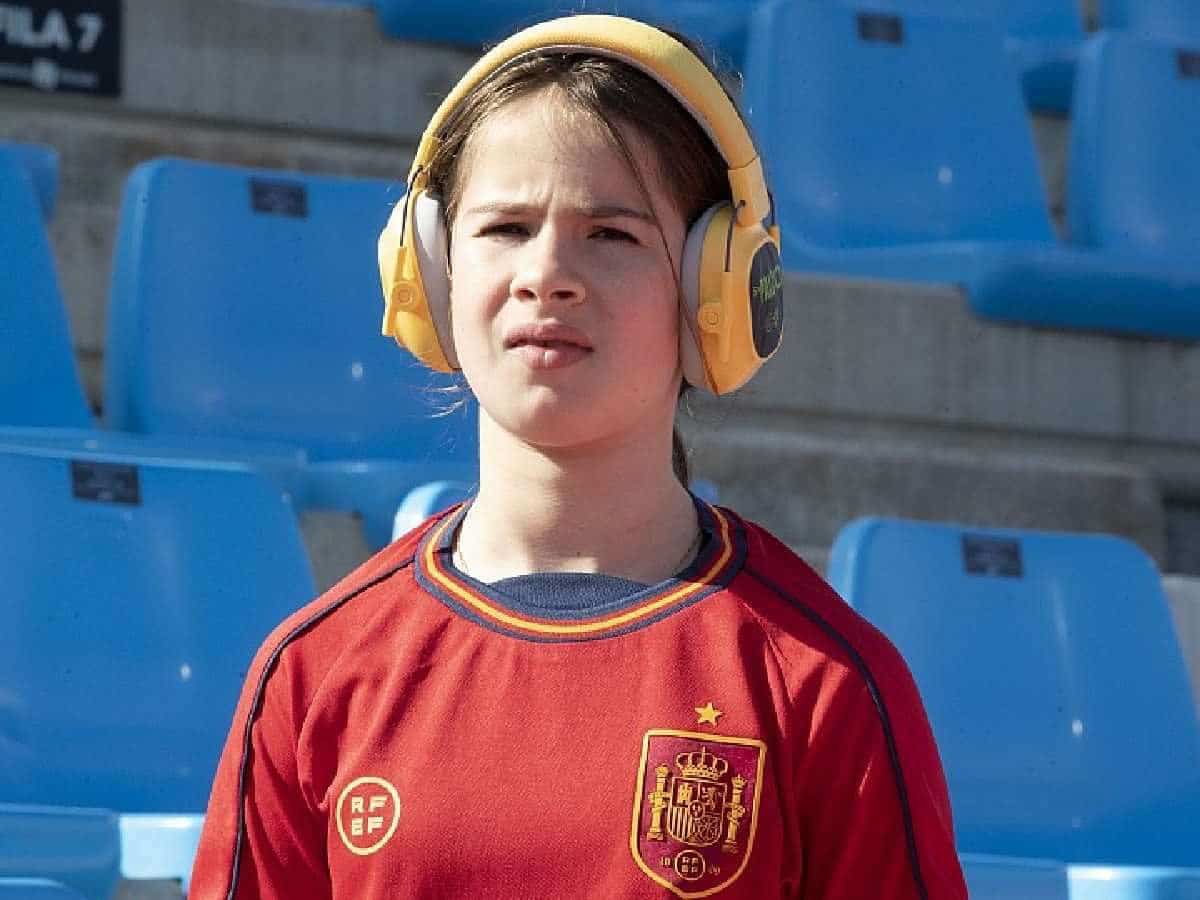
(554, 429)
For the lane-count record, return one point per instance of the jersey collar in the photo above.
(721, 556)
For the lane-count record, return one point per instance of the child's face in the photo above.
(563, 297)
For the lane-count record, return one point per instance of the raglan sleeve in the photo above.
(262, 839)
(875, 800)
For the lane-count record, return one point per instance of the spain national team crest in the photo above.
(696, 809)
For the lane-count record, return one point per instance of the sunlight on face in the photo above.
(564, 298)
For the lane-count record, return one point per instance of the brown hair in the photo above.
(609, 92)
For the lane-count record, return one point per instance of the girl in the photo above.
(584, 682)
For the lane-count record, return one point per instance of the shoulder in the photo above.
(310, 641)
(808, 624)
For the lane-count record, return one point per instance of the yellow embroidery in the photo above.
(704, 787)
(708, 714)
(367, 814)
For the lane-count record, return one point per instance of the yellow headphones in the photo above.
(732, 279)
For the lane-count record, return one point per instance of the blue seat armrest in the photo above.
(1014, 878)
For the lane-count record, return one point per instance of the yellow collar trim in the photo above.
(480, 605)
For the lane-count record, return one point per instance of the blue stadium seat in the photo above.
(283, 464)
(886, 166)
(132, 598)
(1043, 38)
(39, 382)
(1056, 689)
(719, 25)
(272, 331)
(1172, 21)
(37, 889)
(1134, 170)
(80, 848)
(424, 501)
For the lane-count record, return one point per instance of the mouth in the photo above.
(547, 336)
(548, 345)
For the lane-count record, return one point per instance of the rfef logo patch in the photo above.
(696, 809)
(368, 811)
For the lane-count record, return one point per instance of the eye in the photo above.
(504, 229)
(614, 234)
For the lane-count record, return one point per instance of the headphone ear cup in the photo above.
(732, 284)
(691, 351)
(431, 245)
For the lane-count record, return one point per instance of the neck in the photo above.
(615, 508)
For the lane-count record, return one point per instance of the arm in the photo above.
(869, 832)
(263, 842)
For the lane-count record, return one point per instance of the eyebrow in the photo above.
(590, 212)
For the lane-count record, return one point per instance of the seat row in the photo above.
(1043, 36)
(898, 148)
(134, 592)
(243, 300)
(240, 328)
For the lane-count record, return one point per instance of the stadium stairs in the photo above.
(883, 389)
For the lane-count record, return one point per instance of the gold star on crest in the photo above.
(707, 714)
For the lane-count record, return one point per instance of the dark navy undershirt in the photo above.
(577, 592)
(567, 591)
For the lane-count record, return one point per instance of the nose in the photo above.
(546, 271)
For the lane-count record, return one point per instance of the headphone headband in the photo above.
(653, 52)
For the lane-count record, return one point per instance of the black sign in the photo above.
(279, 198)
(1189, 63)
(105, 482)
(878, 28)
(983, 555)
(62, 45)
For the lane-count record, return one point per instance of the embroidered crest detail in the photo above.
(368, 811)
(696, 809)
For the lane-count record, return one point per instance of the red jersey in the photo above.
(734, 732)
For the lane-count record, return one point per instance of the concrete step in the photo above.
(805, 488)
(864, 357)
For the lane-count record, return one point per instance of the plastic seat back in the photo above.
(1172, 21)
(132, 599)
(879, 129)
(80, 848)
(1019, 18)
(1134, 168)
(1052, 676)
(39, 382)
(720, 25)
(246, 303)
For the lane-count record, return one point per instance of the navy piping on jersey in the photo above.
(731, 546)
(885, 720)
(256, 705)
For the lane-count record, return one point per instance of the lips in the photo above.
(547, 335)
(547, 345)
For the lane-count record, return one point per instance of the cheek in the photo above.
(475, 286)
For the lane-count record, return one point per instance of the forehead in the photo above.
(545, 133)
